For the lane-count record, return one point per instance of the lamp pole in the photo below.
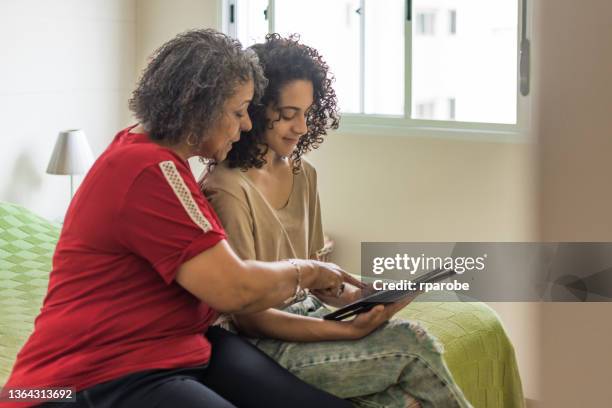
(71, 187)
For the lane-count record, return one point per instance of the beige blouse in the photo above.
(258, 231)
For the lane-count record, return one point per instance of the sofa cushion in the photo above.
(477, 350)
(27, 242)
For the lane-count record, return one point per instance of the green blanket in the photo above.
(478, 351)
(27, 242)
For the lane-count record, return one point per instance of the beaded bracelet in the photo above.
(300, 293)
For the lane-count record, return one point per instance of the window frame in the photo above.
(398, 125)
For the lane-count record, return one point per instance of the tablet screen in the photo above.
(387, 296)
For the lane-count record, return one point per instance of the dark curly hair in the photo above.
(285, 60)
(183, 89)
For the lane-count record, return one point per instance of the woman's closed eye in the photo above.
(288, 114)
(292, 113)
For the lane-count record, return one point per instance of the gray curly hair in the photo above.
(183, 89)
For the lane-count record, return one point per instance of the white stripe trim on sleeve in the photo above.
(174, 178)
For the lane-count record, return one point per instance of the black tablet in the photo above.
(387, 296)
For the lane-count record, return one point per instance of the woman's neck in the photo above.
(274, 161)
(180, 149)
(274, 179)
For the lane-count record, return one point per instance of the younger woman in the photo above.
(265, 194)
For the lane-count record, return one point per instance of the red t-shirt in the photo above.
(112, 306)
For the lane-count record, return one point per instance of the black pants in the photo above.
(238, 375)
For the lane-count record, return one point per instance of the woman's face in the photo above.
(233, 120)
(288, 120)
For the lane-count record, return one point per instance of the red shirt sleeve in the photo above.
(165, 218)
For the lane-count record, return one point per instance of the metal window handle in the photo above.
(524, 66)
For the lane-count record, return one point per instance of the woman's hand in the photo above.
(365, 323)
(366, 289)
(331, 279)
(350, 294)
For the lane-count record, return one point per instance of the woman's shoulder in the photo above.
(309, 171)
(224, 179)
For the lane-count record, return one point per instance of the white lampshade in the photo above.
(71, 155)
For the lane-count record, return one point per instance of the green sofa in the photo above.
(477, 349)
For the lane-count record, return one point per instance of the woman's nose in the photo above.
(246, 124)
(300, 127)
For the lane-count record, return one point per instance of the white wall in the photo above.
(394, 188)
(160, 20)
(63, 64)
(410, 188)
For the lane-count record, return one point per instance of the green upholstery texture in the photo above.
(27, 242)
(477, 350)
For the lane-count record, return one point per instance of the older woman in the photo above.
(142, 267)
(266, 197)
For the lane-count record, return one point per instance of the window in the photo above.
(477, 67)
(405, 67)
(253, 20)
(354, 47)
